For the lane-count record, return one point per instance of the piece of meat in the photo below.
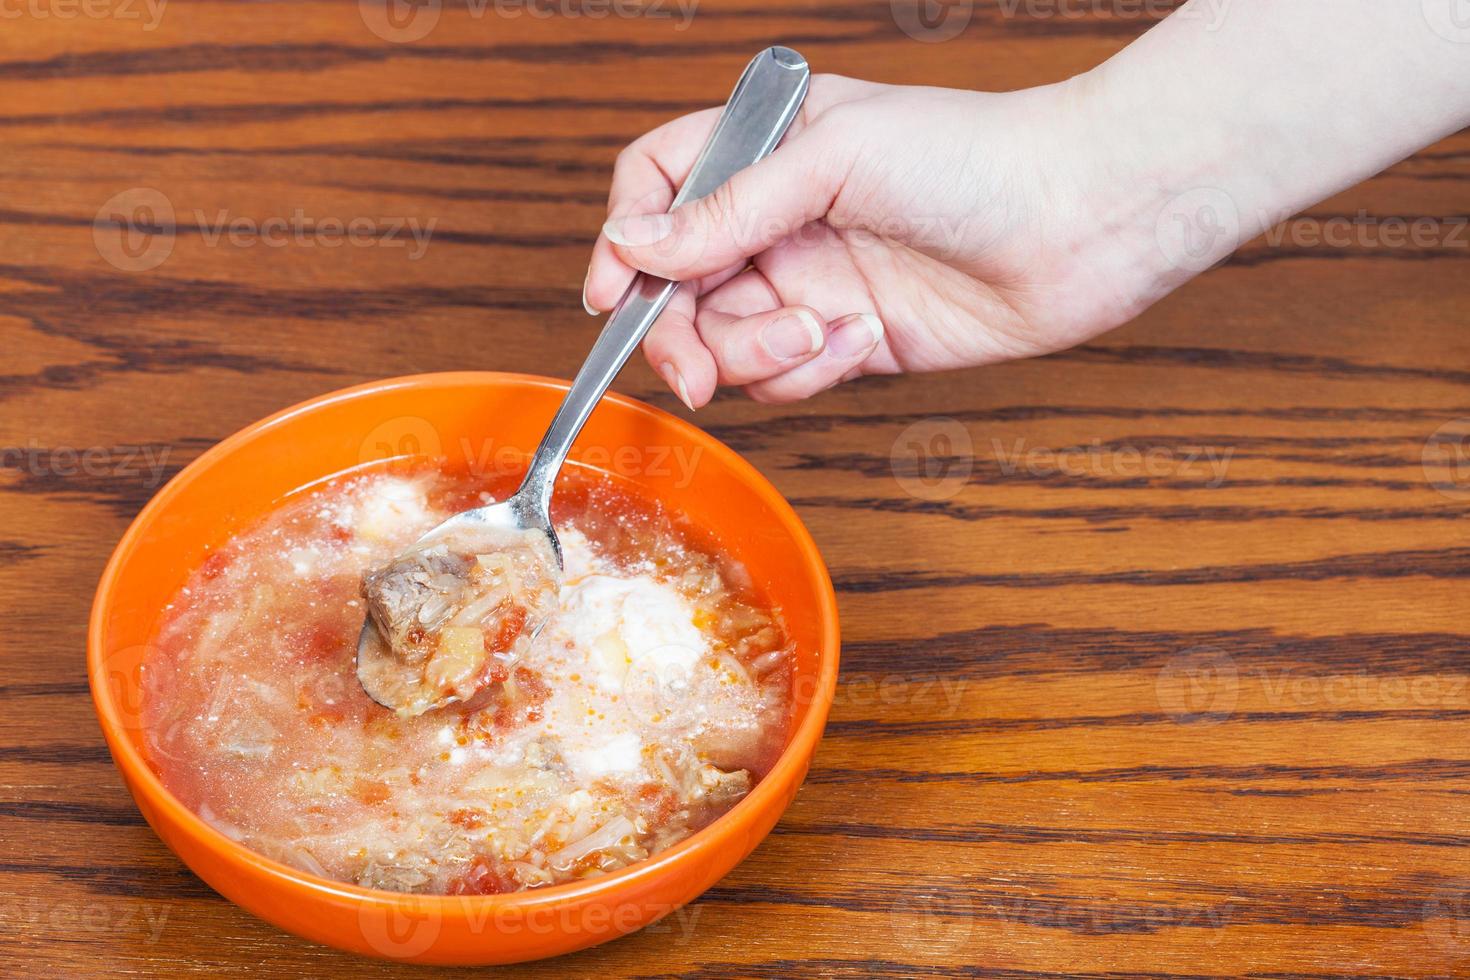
(723, 789)
(451, 613)
(414, 595)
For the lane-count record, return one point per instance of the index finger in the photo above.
(645, 178)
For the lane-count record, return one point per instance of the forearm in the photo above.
(1236, 116)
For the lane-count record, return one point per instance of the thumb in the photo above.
(759, 206)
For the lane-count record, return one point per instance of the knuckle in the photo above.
(654, 342)
(731, 371)
(714, 223)
(625, 157)
(768, 394)
(732, 365)
(719, 208)
(622, 160)
(723, 202)
(828, 144)
(658, 336)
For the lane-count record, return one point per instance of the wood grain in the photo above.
(1156, 658)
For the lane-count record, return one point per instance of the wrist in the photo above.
(1201, 135)
(1143, 207)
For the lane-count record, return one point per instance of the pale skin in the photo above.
(901, 229)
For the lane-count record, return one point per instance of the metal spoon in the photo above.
(764, 103)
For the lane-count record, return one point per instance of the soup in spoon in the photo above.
(453, 613)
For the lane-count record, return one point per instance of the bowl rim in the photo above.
(789, 768)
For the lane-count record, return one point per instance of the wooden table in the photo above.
(1156, 658)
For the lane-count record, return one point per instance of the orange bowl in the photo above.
(484, 416)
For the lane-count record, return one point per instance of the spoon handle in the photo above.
(760, 109)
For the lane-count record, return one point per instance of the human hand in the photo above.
(895, 229)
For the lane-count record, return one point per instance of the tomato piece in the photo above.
(482, 877)
(371, 791)
(468, 818)
(214, 565)
(505, 630)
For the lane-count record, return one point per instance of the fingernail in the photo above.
(675, 380)
(792, 335)
(855, 335)
(638, 229)
(591, 310)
